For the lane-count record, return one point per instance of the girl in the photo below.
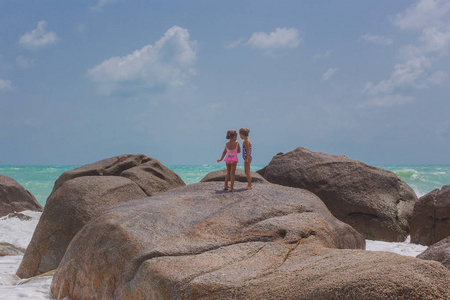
(247, 155)
(231, 151)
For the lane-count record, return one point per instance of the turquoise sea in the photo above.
(39, 180)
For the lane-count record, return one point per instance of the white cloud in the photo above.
(376, 39)
(329, 73)
(5, 85)
(324, 55)
(438, 77)
(39, 37)
(154, 68)
(281, 38)
(234, 44)
(424, 13)
(102, 3)
(25, 62)
(431, 20)
(391, 100)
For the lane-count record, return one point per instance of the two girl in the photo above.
(232, 148)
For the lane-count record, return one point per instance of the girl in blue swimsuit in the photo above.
(247, 155)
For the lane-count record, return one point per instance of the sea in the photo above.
(39, 180)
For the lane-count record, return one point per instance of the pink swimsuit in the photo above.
(232, 155)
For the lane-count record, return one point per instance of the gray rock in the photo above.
(430, 222)
(439, 251)
(15, 198)
(373, 201)
(239, 176)
(7, 249)
(157, 248)
(84, 193)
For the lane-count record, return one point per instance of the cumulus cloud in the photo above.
(166, 64)
(5, 85)
(431, 20)
(425, 13)
(376, 39)
(329, 73)
(391, 100)
(38, 37)
(281, 38)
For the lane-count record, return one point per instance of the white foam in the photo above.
(406, 248)
(14, 288)
(17, 232)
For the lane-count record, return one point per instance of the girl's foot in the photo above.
(249, 187)
(232, 189)
(226, 188)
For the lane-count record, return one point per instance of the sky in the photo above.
(86, 80)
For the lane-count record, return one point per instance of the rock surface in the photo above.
(151, 176)
(158, 247)
(7, 249)
(372, 200)
(15, 198)
(85, 193)
(430, 222)
(438, 252)
(239, 176)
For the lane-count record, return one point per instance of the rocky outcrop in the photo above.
(438, 252)
(373, 201)
(7, 249)
(85, 193)
(15, 198)
(159, 247)
(430, 222)
(239, 176)
(151, 176)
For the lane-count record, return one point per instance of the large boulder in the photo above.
(15, 198)
(155, 248)
(85, 193)
(151, 176)
(438, 252)
(239, 176)
(430, 222)
(373, 201)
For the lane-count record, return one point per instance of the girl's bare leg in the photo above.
(232, 174)
(227, 177)
(249, 175)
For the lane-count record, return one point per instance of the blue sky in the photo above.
(86, 80)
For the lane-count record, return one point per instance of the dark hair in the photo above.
(231, 133)
(245, 131)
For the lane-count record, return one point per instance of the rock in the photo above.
(372, 200)
(439, 251)
(84, 193)
(15, 198)
(7, 249)
(239, 177)
(154, 248)
(430, 222)
(152, 176)
(67, 210)
(19, 216)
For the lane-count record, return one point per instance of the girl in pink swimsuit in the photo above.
(230, 153)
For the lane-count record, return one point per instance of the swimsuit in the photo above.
(231, 155)
(244, 151)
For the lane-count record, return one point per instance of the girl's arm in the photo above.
(239, 147)
(223, 155)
